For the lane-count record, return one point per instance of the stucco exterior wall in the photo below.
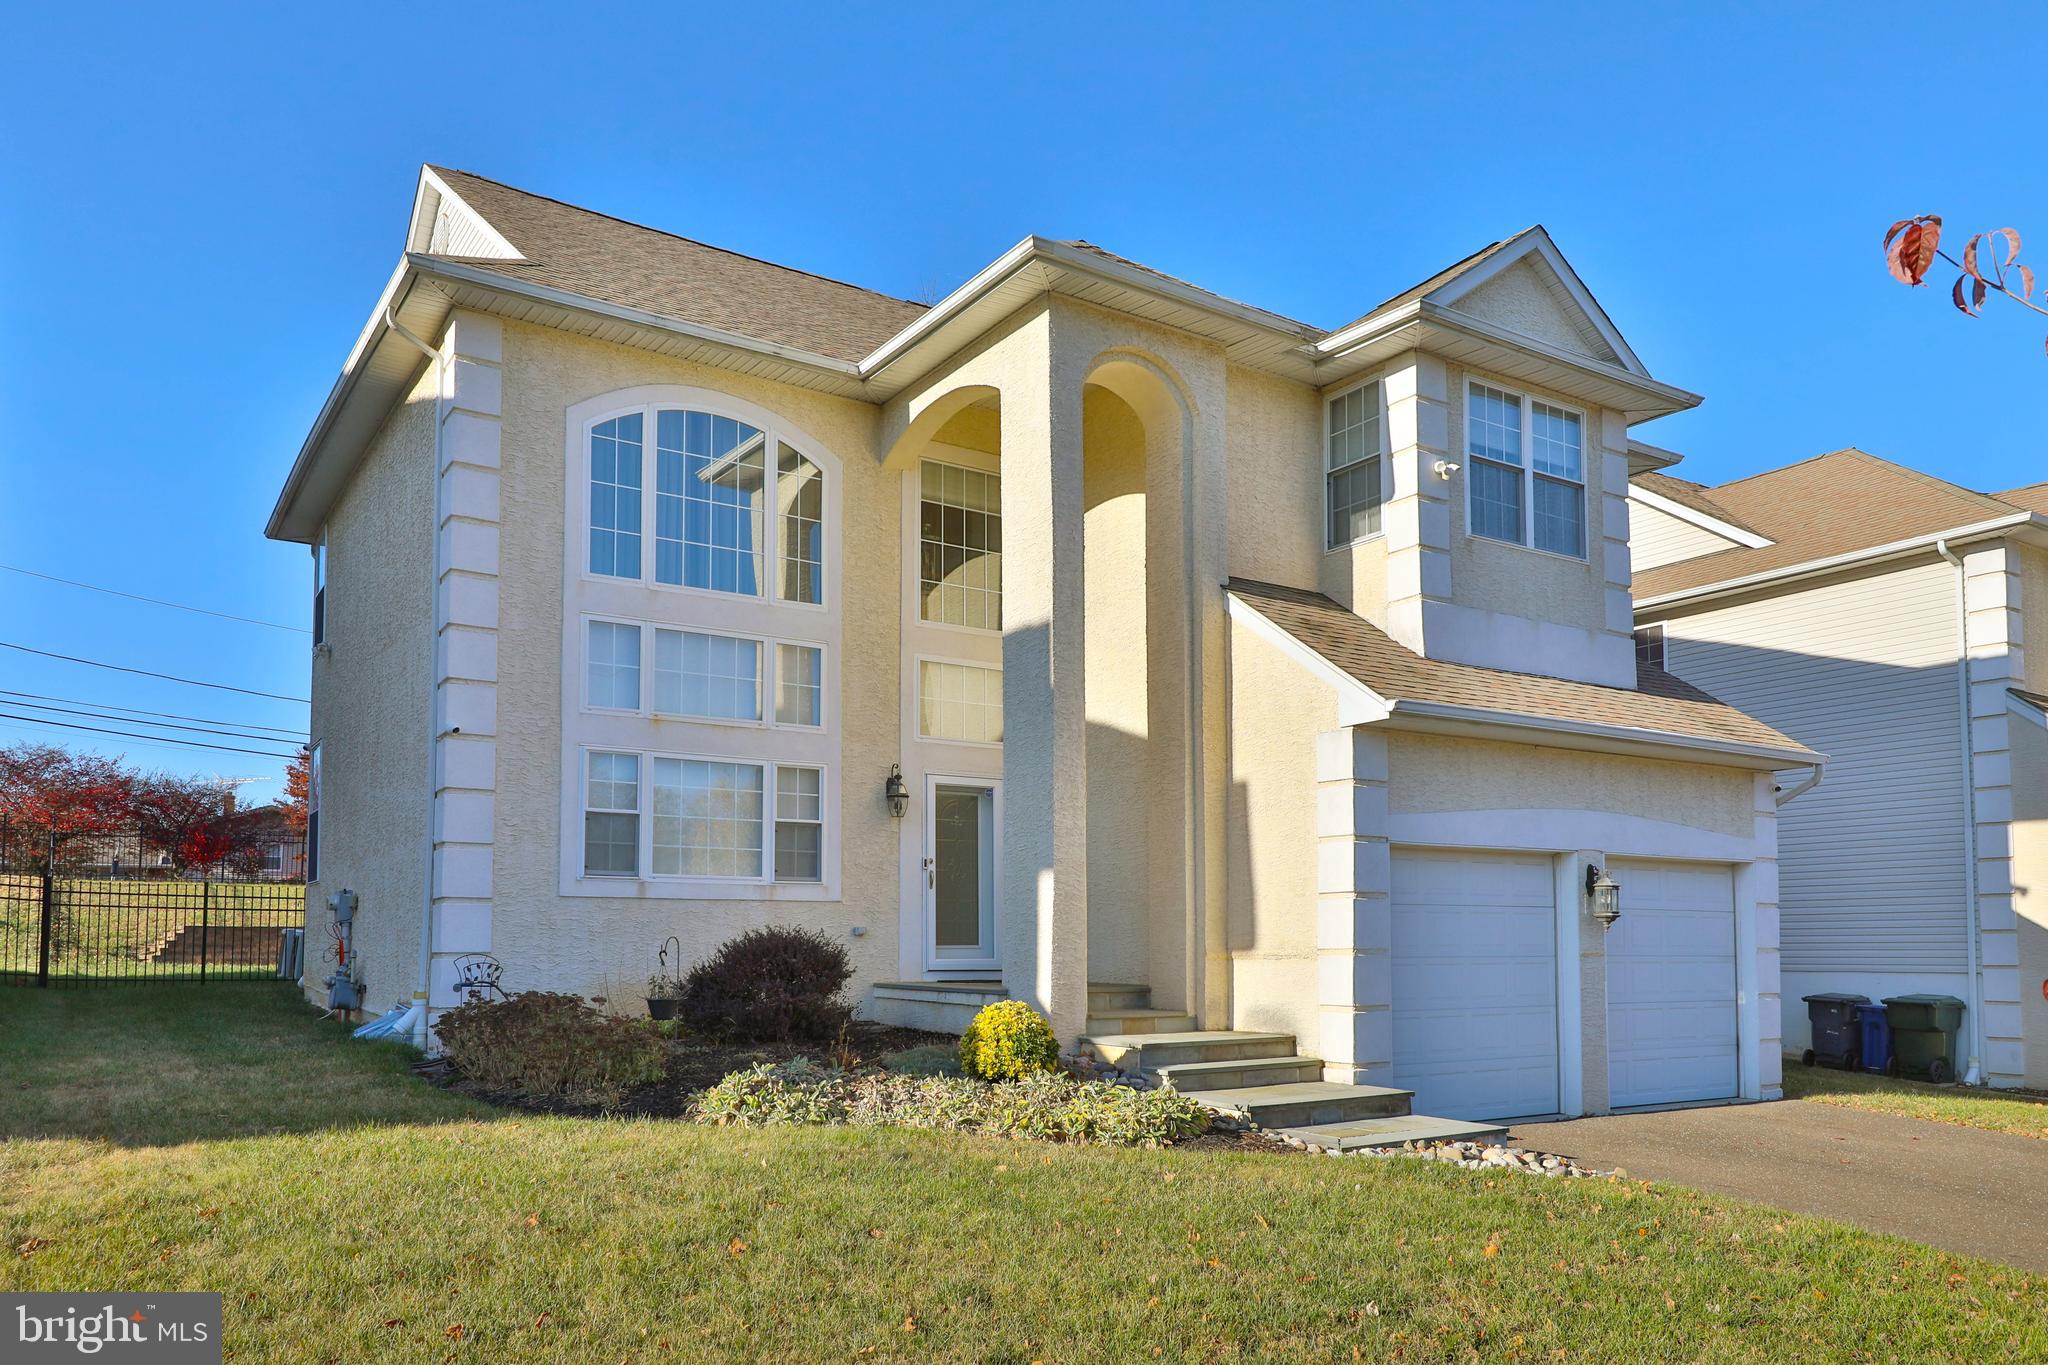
(370, 698)
(1276, 478)
(1434, 773)
(1521, 298)
(600, 944)
(1277, 709)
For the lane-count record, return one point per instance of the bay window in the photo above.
(1525, 475)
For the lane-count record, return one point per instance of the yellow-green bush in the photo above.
(1007, 1041)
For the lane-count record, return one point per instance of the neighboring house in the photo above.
(1281, 678)
(1838, 599)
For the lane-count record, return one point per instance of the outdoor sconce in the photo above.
(1605, 894)
(898, 794)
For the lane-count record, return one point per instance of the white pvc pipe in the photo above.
(1973, 1073)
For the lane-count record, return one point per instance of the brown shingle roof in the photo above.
(2033, 497)
(1442, 277)
(1830, 505)
(1688, 494)
(614, 261)
(1661, 705)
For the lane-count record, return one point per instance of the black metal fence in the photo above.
(118, 907)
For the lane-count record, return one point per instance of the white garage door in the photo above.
(1475, 983)
(1671, 1025)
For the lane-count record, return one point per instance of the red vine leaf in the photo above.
(2026, 274)
(1912, 251)
(2012, 242)
(1956, 295)
(1977, 293)
(1970, 258)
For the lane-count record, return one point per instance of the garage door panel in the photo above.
(1475, 983)
(1671, 1020)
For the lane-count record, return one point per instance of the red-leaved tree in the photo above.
(1990, 263)
(50, 788)
(191, 818)
(298, 788)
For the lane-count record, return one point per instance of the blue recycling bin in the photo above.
(1875, 1024)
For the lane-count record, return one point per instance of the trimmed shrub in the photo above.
(539, 1043)
(770, 985)
(1043, 1107)
(1008, 1040)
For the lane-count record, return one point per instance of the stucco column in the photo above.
(1994, 644)
(1593, 1088)
(465, 645)
(1760, 1016)
(1417, 515)
(1354, 916)
(1045, 719)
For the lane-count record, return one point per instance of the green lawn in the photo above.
(104, 925)
(176, 1138)
(1971, 1108)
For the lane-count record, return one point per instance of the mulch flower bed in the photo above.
(696, 1064)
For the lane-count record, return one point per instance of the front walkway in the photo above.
(1961, 1189)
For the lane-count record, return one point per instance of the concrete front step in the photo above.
(1240, 1072)
(1114, 997)
(1143, 1020)
(1301, 1104)
(1149, 1052)
(1391, 1132)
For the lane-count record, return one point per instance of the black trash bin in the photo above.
(1837, 1039)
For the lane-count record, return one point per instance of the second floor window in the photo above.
(960, 547)
(1353, 491)
(320, 589)
(708, 524)
(1526, 480)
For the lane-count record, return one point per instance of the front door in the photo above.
(961, 823)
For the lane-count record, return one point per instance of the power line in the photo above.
(167, 677)
(156, 739)
(138, 711)
(159, 745)
(153, 724)
(153, 601)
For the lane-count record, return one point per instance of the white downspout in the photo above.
(414, 1021)
(1973, 1073)
(1787, 795)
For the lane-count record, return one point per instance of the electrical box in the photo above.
(343, 904)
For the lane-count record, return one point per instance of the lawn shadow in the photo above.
(144, 1065)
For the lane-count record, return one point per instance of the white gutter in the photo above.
(1974, 531)
(414, 1021)
(1972, 1074)
(1798, 789)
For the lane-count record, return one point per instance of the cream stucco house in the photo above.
(1895, 621)
(1261, 699)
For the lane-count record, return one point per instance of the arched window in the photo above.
(707, 526)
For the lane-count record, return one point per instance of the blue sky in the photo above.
(198, 205)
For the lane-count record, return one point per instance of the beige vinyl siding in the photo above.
(1656, 538)
(1871, 862)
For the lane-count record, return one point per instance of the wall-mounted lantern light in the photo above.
(898, 794)
(1604, 893)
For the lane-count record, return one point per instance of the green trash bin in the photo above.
(1924, 1031)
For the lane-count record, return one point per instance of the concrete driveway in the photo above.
(1961, 1189)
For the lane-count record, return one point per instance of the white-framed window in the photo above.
(707, 675)
(960, 546)
(615, 504)
(799, 685)
(611, 815)
(1525, 472)
(715, 478)
(320, 588)
(959, 701)
(799, 824)
(1353, 466)
(612, 666)
(708, 818)
(1650, 646)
